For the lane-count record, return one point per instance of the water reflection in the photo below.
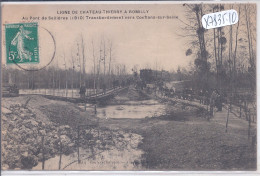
(132, 109)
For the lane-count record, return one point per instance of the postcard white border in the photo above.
(153, 173)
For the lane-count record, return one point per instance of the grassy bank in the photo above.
(182, 139)
(185, 140)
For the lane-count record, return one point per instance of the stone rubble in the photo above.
(23, 133)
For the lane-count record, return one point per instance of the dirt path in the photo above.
(233, 121)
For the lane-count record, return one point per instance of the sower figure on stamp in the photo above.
(19, 42)
(82, 91)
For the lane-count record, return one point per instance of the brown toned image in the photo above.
(128, 86)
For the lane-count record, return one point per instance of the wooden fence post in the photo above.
(253, 116)
(95, 109)
(60, 153)
(43, 156)
(240, 111)
(249, 124)
(98, 130)
(227, 119)
(246, 110)
(78, 144)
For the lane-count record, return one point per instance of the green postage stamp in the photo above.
(22, 43)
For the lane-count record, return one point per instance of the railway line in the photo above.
(94, 98)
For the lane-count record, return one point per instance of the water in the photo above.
(107, 160)
(124, 153)
(132, 109)
(72, 93)
(116, 157)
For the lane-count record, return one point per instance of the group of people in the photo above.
(83, 89)
(216, 100)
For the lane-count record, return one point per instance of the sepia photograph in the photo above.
(128, 87)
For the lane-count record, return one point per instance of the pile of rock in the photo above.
(108, 140)
(29, 137)
(25, 138)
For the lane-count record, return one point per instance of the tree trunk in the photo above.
(94, 61)
(235, 51)
(84, 61)
(109, 65)
(43, 154)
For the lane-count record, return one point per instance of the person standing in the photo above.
(201, 96)
(212, 102)
(104, 88)
(219, 102)
(82, 91)
(206, 97)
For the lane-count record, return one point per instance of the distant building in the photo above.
(178, 86)
(150, 76)
(146, 75)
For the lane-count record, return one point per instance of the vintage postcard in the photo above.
(129, 86)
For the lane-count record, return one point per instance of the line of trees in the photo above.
(92, 66)
(225, 57)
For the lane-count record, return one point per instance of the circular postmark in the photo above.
(29, 46)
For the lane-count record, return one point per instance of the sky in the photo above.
(142, 42)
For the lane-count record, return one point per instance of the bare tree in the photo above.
(53, 80)
(110, 61)
(197, 33)
(98, 66)
(94, 65)
(66, 77)
(72, 78)
(104, 62)
(79, 64)
(83, 59)
(236, 41)
(250, 41)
